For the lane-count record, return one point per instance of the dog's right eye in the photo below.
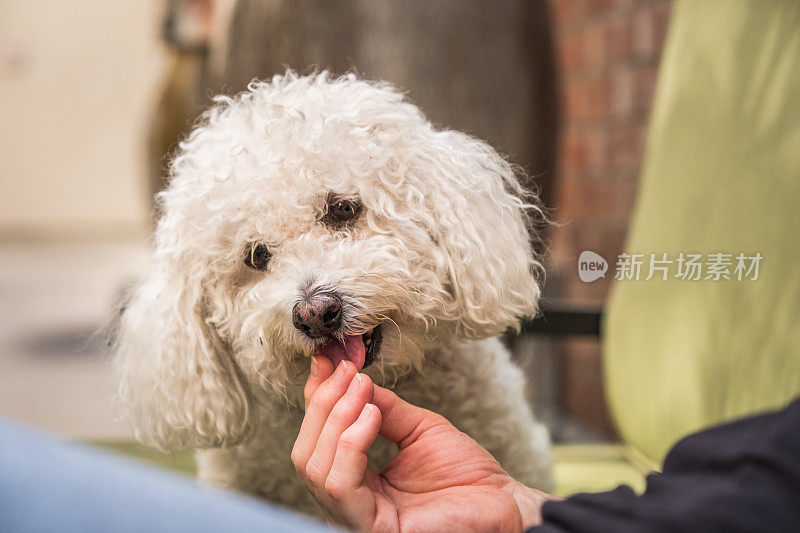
(257, 256)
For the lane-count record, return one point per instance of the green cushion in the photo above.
(596, 468)
(721, 174)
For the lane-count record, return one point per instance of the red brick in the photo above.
(567, 10)
(576, 102)
(581, 384)
(644, 35)
(624, 199)
(661, 14)
(570, 52)
(618, 41)
(622, 92)
(612, 242)
(586, 99)
(597, 152)
(573, 155)
(599, 6)
(626, 144)
(594, 45)
(559, 256)
(566, 202)
(644, 85)
(599, 93)
(586, 200)
(598, 199)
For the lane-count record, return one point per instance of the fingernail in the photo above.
(314, 367)
(355, 382)
(367, 411)
(341, 370)
(358, 380)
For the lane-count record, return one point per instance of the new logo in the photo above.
(591, 266)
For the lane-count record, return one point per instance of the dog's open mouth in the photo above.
(361, 350)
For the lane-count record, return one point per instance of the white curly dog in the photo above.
(311, 214)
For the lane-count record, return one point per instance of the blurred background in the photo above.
(95, 95)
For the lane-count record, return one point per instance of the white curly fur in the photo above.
(206, 351)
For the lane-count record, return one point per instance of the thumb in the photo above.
(403, 422)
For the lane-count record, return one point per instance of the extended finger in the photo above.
(342, 416)
(403, 422)
(349, 497)
(321, 369)
(319, 407)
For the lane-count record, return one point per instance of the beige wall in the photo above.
(77, 80)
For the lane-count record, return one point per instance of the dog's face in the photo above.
(310, 215)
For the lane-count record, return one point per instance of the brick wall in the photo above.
(607, 57)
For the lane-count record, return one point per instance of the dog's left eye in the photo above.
(339, 212)
(345, 209)
(257, 256)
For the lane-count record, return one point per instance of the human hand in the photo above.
(440, 480)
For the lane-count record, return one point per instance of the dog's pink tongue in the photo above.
(352, 350)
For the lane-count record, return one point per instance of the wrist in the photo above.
(529, 502)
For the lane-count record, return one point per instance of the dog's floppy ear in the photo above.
(179, 385)
(482, 235)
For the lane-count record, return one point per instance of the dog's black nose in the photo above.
(318, 315)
